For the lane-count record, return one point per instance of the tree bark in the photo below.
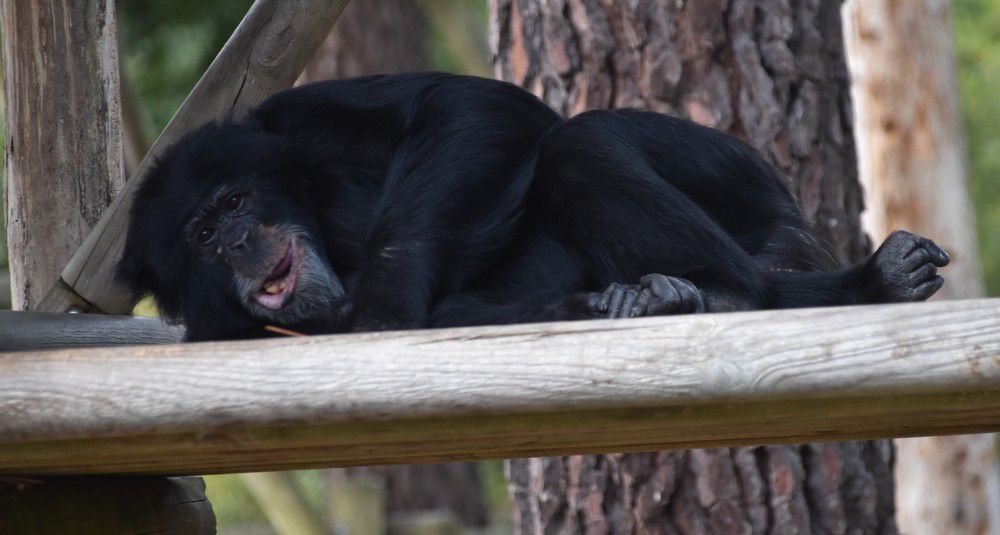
(63, 167)
(773, 73)
(383, 37)
(912, 158)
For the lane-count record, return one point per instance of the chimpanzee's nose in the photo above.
(238, 239)
(240, 244)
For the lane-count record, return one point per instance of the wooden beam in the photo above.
(491, 392)
(22, 331)
(266, 53)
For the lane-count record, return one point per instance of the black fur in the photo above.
(443, 200)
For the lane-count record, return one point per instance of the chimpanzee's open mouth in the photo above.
(280, 282)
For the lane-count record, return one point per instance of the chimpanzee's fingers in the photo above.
(938, 255)
(927, 289)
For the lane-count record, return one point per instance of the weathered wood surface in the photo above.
(266, 53)
(524, 390)
(64, 138)
(21, 331)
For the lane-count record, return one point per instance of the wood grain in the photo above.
(265, 54)
(490, 392)
(21, 331)
(64, 140)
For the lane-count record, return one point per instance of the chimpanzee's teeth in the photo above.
(275, 287)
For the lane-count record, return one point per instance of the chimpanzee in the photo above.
(429, 199)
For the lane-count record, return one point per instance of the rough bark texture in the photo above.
(383, 37)
(391, 36)
(773, 73)
(912, 157)
(63, 167)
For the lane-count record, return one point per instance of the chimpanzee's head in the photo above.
(223, 234)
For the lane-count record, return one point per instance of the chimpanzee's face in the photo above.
(255, 242)
(222, 233)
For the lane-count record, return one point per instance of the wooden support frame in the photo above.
(265, 54)
(492, 392)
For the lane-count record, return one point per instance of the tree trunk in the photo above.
(773, 73)
(912, 157)
(383, 37)
(64, 166)
(391, 36)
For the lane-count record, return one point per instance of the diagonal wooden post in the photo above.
(265, 54)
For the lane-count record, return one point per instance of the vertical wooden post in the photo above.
(64, 138)
(911, 150)
(64, 167)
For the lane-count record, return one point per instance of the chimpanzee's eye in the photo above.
(205, 235)
(234, 201)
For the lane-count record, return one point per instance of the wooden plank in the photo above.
(266, 53)
(22, 331)
(490, 392)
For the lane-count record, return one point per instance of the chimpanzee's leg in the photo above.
(603, 201)
(903, 269)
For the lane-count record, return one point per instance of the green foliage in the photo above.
(234, 505)
(166, 46)
(232, 502)
(977, 40)
(495, 491)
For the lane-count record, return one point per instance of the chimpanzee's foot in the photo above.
(655, 295)
(903, 269)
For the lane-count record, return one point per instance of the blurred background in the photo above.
(165, 46)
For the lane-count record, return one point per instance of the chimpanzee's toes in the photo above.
(619, 299)
(905, 268)
(655, 295)
(671, 295)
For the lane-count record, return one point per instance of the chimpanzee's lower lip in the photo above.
(284, 275)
